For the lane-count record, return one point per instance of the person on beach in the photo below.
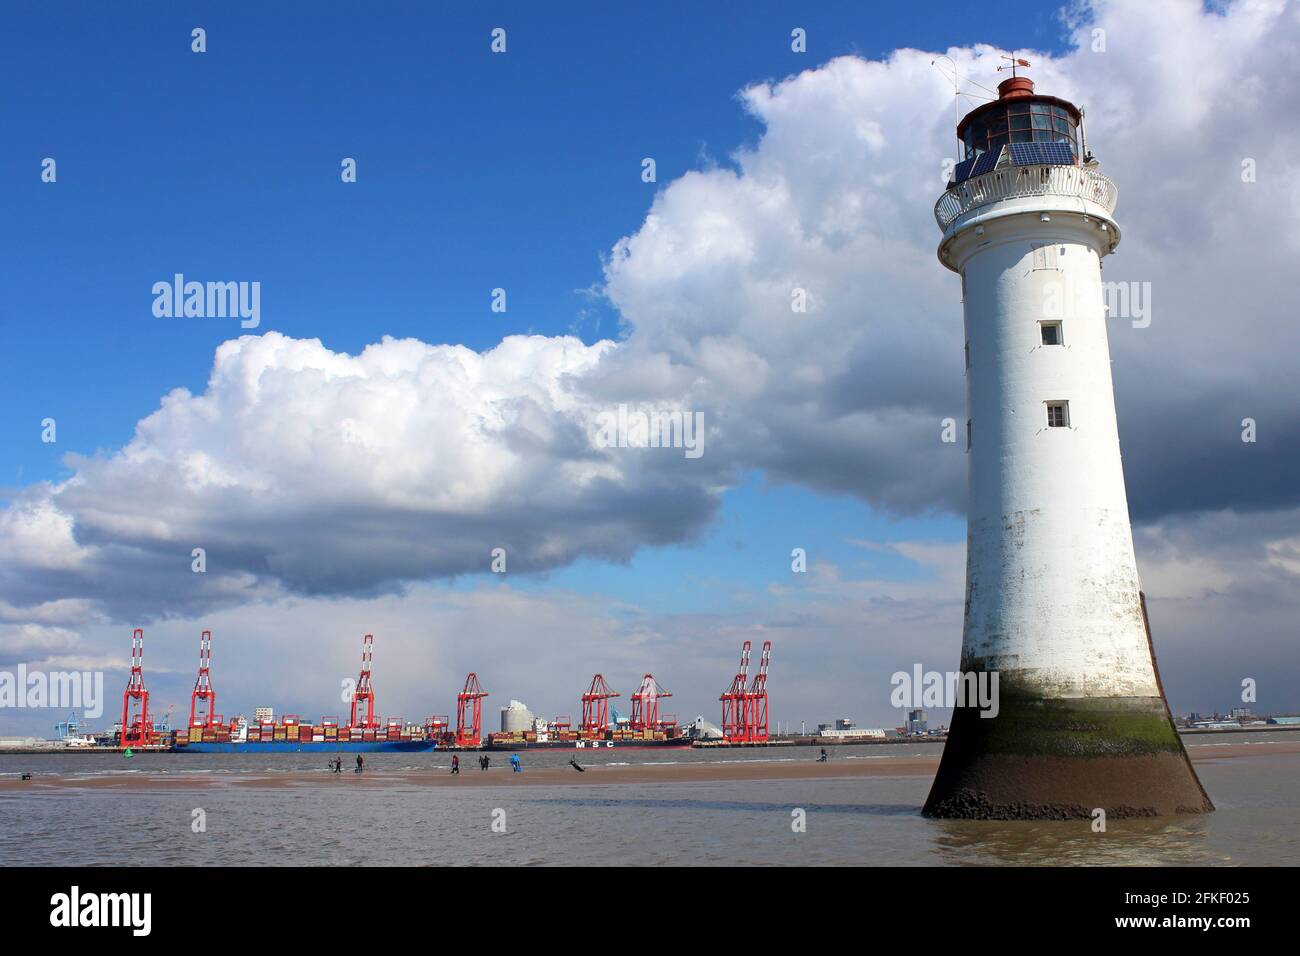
(360, 764)
(573, 762)
(455, 763)
(487, 761)
(514, 763)
(822, 758)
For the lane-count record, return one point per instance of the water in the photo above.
(868, 820)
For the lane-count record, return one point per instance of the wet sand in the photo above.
(838, 767)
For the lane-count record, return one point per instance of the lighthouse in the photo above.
(1053, 606)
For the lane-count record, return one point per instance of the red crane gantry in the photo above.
(645, 706)
(365, 689)
(756, 706)
(734, 699)
(470, 698)
(138, 730)
(595, 708)
(203, 684)
(744, 708)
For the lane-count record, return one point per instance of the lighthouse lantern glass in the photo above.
(1020, 120)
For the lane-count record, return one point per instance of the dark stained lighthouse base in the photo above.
(1061, 759)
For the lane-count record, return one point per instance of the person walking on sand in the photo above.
(514, 763)
(360, 764)
(822, 758)
(455, 763)
(487, 761)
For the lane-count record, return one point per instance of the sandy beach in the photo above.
(838, 767)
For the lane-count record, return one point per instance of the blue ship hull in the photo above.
(315, 746)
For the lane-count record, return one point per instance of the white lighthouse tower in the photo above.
(1053, 602)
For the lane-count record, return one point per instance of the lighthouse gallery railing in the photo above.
(1016, 181)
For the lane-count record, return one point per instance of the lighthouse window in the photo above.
(1051, 333)
(1045, 257)
(1058, 414)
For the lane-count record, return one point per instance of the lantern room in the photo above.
(1019, 115)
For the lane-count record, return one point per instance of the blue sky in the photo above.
(475, 172)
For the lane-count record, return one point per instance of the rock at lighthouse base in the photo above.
(1062, 759)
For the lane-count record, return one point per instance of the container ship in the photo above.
(574, 741)
(210, 733)
(290, 735)
(601, 726)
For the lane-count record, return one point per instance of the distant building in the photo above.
(516, 718)
(916, 723)
(701, 729)
(826, 730)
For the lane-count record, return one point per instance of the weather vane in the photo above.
(1015, 62)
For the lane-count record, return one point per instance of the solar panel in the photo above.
(975, 166)
(1041, 154)
(986, 161)
(962, 171)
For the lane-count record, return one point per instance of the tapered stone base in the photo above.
(1061, 759)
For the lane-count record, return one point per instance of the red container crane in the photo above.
(756, 706)
(138, 730)
(735, 710)
(203, 685)
(365, 690)
(470, 698)
(595, 708)
(645, 705)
